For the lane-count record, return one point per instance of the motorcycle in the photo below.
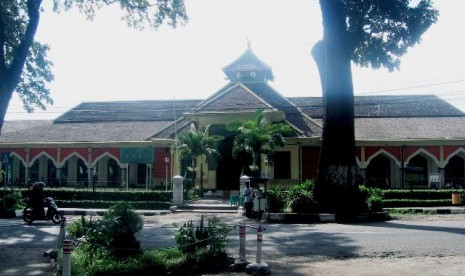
(29, 214)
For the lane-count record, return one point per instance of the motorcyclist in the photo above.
(37, 196)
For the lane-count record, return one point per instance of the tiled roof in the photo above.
(127, 111)
(377, 117)
(22, 125)
(410, 128)
(86, 132)
(385, 106)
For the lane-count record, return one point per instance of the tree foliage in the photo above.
(24, 67)
(256, 137)
(194, 144)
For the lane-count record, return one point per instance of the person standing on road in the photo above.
(249, 196)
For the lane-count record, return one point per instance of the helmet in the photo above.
(38, 185)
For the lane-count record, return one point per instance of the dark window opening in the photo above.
(282, 165)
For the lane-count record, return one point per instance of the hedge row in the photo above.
(113, 196)
(398, 203)
(442, 194)
(107, 204)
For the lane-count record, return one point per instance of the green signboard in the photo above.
(137, 155)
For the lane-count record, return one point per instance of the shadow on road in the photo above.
(420, 227)
(22, 247)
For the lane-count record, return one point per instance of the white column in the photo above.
(178, 190)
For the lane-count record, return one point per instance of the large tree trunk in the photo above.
(5, 96)
(335, 190)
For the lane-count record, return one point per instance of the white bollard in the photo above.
(242, 234)
(62, 234)
(240, 264)
(259, 267)
(67, 250)
(259, 244)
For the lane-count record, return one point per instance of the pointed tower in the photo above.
(248, 68)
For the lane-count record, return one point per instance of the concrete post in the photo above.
(178, 192)
(259, 244)
(62, 234)
(259, 267)
(239, 265)
(67, 249)
(242, 234)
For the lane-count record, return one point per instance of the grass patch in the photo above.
(403, 212)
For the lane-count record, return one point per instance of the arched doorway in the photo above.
(43, 169)
(228, 170)
(378, 172)
(74, 172)
(454, 172)
(416, 172)
(113, 173)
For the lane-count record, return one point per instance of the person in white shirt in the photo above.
(249, 196)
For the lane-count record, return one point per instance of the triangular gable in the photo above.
(233, 98)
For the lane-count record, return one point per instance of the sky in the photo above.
(105, 60)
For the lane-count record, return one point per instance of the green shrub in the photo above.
(13, 200)
(275, 199)
(375, 203)
(299, 198)
(191, 238)
(78, 228)
(113, 234)
(371, 199)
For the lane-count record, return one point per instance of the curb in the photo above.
(298, 218)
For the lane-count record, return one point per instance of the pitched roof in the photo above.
(85, 132)
(410, 128)
(377, 117)
(127, 111)
(385, 106)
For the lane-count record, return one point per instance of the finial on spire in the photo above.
(248, 43)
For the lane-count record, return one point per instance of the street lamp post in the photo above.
(167, 160)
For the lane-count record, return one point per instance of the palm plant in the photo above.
(256, 137)
(194, 144)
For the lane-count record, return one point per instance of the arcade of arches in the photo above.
(104, 171)
(421, 167)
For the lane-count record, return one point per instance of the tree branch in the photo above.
(2, 42)
(19, 58)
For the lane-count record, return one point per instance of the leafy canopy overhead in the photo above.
(381, 31)
(136, 13)
(24, 67)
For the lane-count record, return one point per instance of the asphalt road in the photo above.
(432, 246)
